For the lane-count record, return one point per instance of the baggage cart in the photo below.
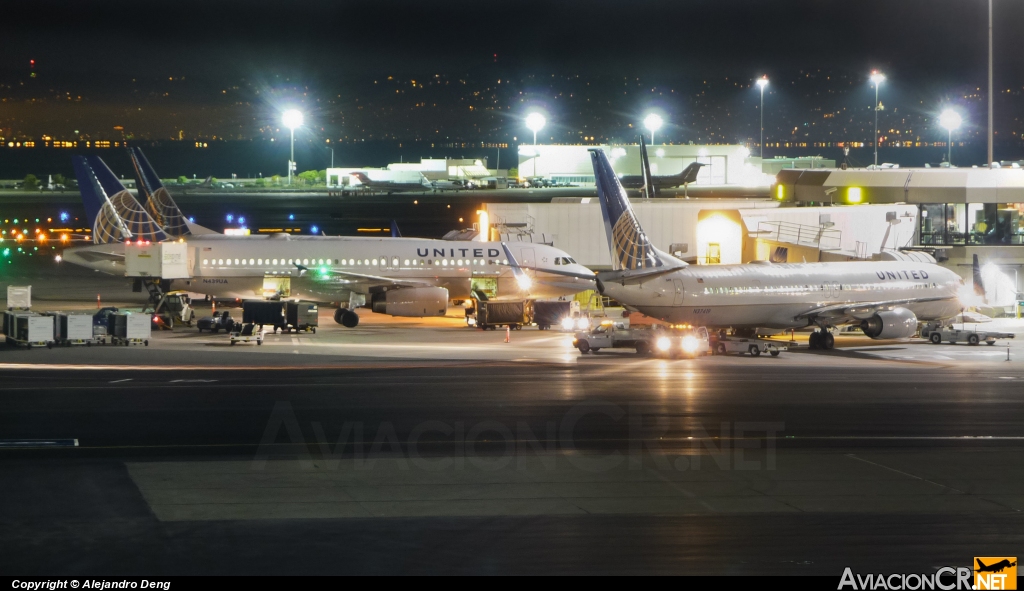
(246, 333)
(302, 316)
(73, 329)
(131, 329)
(28, 328)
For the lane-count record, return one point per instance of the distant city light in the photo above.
(230, 218)
(291, 216)
(314, 230)
(64, 216)
(241, 219)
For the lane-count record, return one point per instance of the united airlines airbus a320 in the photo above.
(396, 276)
(887, 299)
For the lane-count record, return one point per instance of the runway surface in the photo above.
(252, 461)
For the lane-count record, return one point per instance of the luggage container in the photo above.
(19, 297)
(28, 328)
(73, 329)
(302, 316)
(490, 315)
(548, 314)
(131, 329)
(264, 313)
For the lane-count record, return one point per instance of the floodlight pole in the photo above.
(949, 156)
(291, 161)
(876, 124)
(991, 154)
(761, 144)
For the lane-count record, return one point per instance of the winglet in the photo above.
(979, 284)
(522, 278)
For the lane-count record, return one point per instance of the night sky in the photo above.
(91, 42)
(112, 62)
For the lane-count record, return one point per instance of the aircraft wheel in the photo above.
(935, 338)
(775, 353)
(827, 341)
(754, 351)
(814, 340)
(972, 340)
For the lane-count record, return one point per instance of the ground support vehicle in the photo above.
(548, 314)
(246, 333)
(672, 342)
(216, 323)
(740, 345)
(489, 315)
(970, 334)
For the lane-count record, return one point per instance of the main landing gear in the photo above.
(346, 318)
(821, 339)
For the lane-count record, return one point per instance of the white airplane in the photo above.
(887, 299)
(396, 276)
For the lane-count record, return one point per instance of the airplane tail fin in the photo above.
(981, 565)
(113, 212)
(689, 173)
(395, 233)
(361, 177)
(979, 284)
(159, 203)
(648, 189)
(630, 247)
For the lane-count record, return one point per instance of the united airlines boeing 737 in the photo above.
(886, 299)
(396, 276)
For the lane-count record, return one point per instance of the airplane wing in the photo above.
(375, 279)
(861, 310)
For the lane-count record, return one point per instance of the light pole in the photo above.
(991, 154)
(535, 122)
(292, 119)
(951, 120)
(761, 83)
(876, 78)
(653, 123)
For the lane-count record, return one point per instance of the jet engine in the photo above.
(411, 301)
(899, 323)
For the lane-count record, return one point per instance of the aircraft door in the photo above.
(678, 283)
(528, 257)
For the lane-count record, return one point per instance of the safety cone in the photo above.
(508, 334)
(97, 301)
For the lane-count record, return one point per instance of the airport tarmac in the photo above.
(425, 446)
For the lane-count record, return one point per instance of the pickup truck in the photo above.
(938, 334)
(666, 341)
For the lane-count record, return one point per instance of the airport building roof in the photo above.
(901, 185)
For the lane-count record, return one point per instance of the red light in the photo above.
(31, 62)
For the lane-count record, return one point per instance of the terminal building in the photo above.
(812, 215)
(723, 164)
